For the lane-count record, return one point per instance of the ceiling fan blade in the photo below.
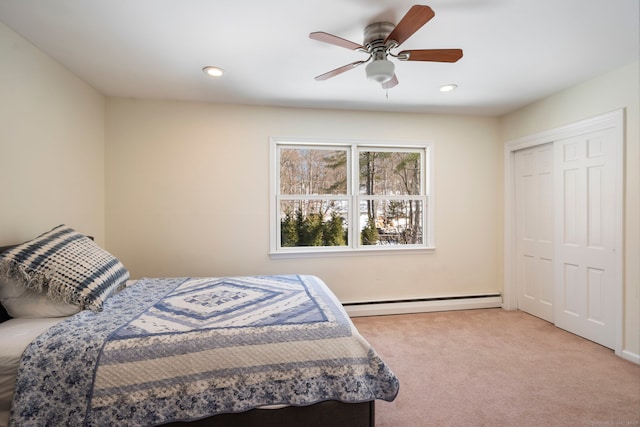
(335, 40)
(435, 55)
(391, 83)
(414, 19)
(339, 70)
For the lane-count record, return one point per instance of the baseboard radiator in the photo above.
(423, 305)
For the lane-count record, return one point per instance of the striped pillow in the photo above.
(68, 264)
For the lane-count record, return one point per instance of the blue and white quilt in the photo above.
(175, 349)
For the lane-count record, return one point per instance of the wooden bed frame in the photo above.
(329, 413)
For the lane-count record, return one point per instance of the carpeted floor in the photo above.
(499, 368)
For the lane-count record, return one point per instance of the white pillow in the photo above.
(28, 304)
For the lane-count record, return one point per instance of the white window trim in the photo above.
(353, 249)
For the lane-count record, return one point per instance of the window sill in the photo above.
(350, 252)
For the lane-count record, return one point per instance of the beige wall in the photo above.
(51, 145)
(612, 91)
(188, 183)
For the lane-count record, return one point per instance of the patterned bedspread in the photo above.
(174, 349)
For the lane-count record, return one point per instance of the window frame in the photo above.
(353, 198)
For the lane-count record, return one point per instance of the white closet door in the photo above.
(534, 230)
(586, 274)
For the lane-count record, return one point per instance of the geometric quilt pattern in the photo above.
(235, 302)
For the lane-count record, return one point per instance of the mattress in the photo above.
(15, 336)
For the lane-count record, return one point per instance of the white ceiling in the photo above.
(515, 51)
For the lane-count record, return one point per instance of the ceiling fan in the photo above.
(379, 39)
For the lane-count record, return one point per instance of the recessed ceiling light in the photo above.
(448, 88)
(213, 71)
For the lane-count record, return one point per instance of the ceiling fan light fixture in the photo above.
(380, 70)
(213, 71)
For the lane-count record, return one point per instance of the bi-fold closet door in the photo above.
(534, 230)
(567, 210)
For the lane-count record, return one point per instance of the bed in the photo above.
(218, 351)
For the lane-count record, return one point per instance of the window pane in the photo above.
(389, 173)
(313, 171)
(313, 223)
(391, 222)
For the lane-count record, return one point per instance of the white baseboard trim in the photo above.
(381, 308)
(631, 357)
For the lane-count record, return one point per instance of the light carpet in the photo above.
(493, 367)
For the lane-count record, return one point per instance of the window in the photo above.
(349, 196)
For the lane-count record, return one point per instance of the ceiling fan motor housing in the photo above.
(374, 36)
(380, 70)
